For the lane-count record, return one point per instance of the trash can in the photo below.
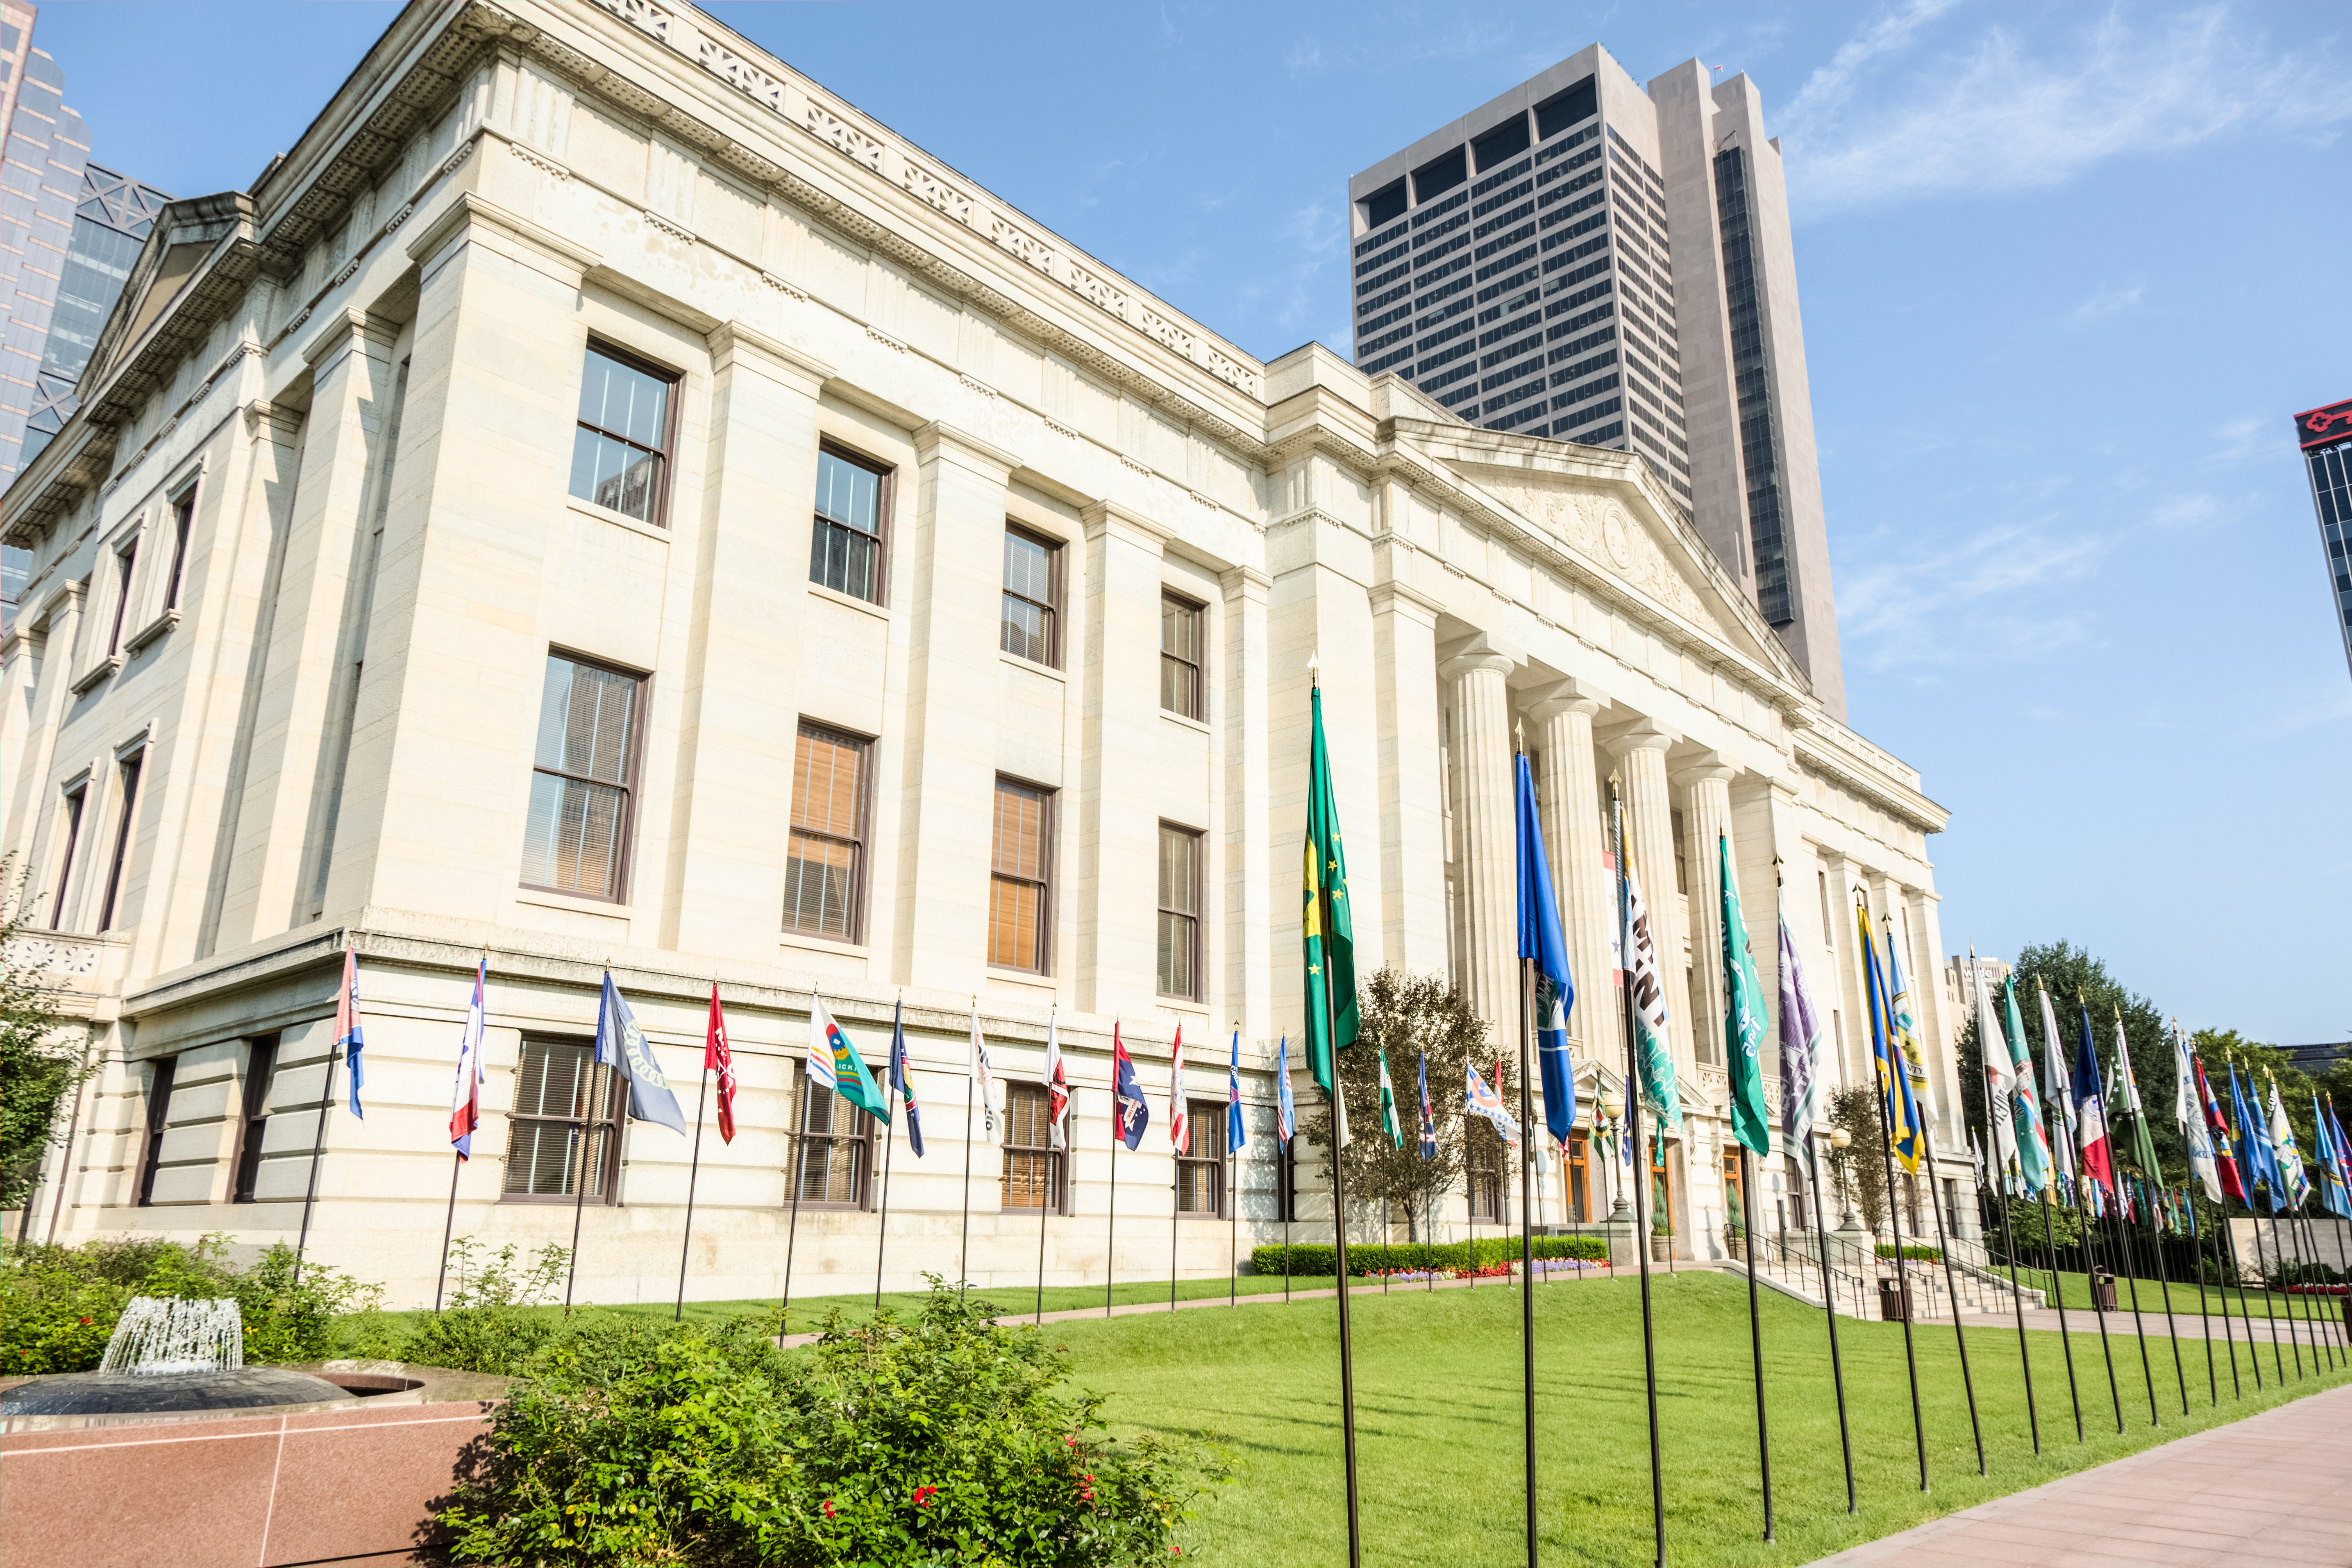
(1895, 1300)
(2102, 1291)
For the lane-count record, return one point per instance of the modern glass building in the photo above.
(2325, 437)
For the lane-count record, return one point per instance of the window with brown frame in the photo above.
(1485, 1171)
(1033, 593)
(583, 779)
(833, 1153)
(1580, 1187)
(620, 449)
(1286, 1179)
(76, 798)
(126, 567)
(1180, 911)
(1020, 894)
(183, 517)
(260, 1068)
(845, 546)
(824, 866)
(159, 1118)
(127, 775)
(1183, 677)
(1034, 1168)
(1200, 1163)
(566, 1122)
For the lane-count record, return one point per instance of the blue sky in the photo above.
(2066, 271)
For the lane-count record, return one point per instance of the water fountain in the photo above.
(170, 1355)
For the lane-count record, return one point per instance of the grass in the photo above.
(1438, 1399)
(2255, 1302)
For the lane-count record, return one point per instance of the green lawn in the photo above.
(1438, 1393)
(2255, 1302)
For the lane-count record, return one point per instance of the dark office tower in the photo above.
(1588, 260)
(2325, 437)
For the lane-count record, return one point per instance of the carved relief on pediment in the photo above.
(1600, 531)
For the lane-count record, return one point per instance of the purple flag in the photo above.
(1801, 1044)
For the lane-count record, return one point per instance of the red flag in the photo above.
(2217, 1127)
(714, 1059)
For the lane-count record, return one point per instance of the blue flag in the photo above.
(1540, 939)
(1129, 1114)
(1234, 1135)
(623, 1047)
(899, 1084)
(1285, 1114)
(1428, 1114)
(349, 1037)
(2261, 1167)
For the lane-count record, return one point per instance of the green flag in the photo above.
(1743, 1019)
(1329, 934)
(1389, 1123)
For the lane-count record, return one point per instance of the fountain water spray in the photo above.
(157, 1336)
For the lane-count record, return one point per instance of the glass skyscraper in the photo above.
(2325, 437)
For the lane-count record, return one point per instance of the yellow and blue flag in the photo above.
(1905, 1134)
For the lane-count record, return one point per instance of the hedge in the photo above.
(1370, 1257)
(1912, 1253)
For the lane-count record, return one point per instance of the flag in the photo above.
(623, 1047)
(1236, 1134)
(1655, 1057)
(1428, 1115)
(1286, 1113)
(1389, 1123)
(1743, 1022)
(833, 1062)
(1057, 1087)
(2090, 1113)
(1801, 1048)
(2001, 1109)
(348, 1037)
(2258, 1171)
(1541, 940)
(2127, 1089)
(900, 1084)
(717, 1058)
(984, 1080)
(1905, 1134)
(2343, 1157)
(2204, 1157)
(2032, 1142)
(1129, 1116)
(2057, 1090)
(1328, 929)
(2332, 1195)
(1976, 1159)
(2294, 1181)
(2230, 1178)
(465, 1103)
(1477, 1097)
(2186, 1111)
(1512, 1137)
(1180, 1126)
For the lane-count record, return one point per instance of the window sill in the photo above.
(154, 630)
(810, 942)
(547, 898)
(1031, 666)
(97, 675)
(1185, 719)
(1028, 977)
(837, 597)
(617, 518)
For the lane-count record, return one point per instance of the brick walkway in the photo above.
(2275, 1489)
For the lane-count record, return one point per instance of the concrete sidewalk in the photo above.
(2274, 1490)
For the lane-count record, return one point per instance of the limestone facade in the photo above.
(302, 559)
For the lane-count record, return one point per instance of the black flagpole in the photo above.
(2016, 1297)
(1230, 1171)
(1176, 1200)
(2106, 1348)
(963, 1256)
(1893, 1064)
(2329, 1323)
(579, 1205)
(2164, 1280)
(1755, 1333)
(2131, 1279)
(449, 1223)
(2204, 1317)
(1640, 1196)
(1045, 1197)
(882, 1229)
(2229, 1339)
(1528, 1252)
(792, 1231)
(318, 1147)
(1829, 1306)
(1951, 1287)
(1339, 1247)
(1110, 1235)
(2058, 1294)
(2270, 1317)
(693, 1174)
(2237, 1270)
(2295, 1235)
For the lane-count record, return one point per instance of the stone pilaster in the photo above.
(1247, 867)
(1484, 879)
(1572, 811)
(1112, 899)
(1707, 819)
(1641, 754)
(1413, 790)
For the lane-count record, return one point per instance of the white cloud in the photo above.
(2104, 303)
(1306, 57)
(2003, 116)
(1966, 601)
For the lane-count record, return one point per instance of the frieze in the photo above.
(1027, 247)
(1100, 290)
(934, 190)
(1600, 531)
(845, 139)
(643, 15)
(741, 75)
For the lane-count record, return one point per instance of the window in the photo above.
(183, 517)
(1180, 911)
(1580, 1189)
(1735, 1193)
(260, 1067)
(1200, 1163)
(1485, 1171)
(1384, 206)
(1440, 175)
(1562, 110)
(159, 1116)
(1829, 921)
(1032, 588)
(1508, 140)
(824, 863)
(129, 774)
(1019, 903)
(1033, 1166)
(1286, 1180)
(846, 549)
(126, 562)
(623, 436)
(1182, 689)
(75, 799)
(565, 1124)
(835, 1153)
(582, 780)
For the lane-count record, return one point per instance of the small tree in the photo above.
(37, 1070)
(1408, 1016)
(1860, 1169)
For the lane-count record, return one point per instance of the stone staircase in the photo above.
(1793, 1265)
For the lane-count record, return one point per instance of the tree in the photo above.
(1408, 1015)
(1859, 1167)
(38, 1071)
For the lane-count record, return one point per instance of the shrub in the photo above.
(1911, 1253)
(899, 1444)
(1370, 1259)
(488, 1324)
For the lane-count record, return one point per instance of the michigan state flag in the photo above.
(1743, 1018)
(1328, 932)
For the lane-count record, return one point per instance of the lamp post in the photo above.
(1849, 1223)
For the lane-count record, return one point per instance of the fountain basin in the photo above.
(153, 1394)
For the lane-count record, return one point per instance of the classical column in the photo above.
(1574, 834)
(1485, 876)
(1413, 790)
(1641, 754)
(1113, 899)
(1708, 816)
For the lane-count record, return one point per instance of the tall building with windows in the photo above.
(2325, 437)
(604, 502)
(1591, 260)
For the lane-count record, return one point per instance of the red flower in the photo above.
(828, 1507)
(923, 1496)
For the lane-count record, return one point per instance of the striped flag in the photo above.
(1428, 1115)
(348, 1035)
(2219, 1174)
(2058, 1091)
(2091, 1114)
(1180, 1126)
(833, 1062)
(465, 1103)
(902, 1083)
(1285, 1112)
(1236, 1135)
(1478, 1098)
(2033, 1142)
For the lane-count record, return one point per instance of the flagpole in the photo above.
(882, 1229)
(2270, 1317)
(2238, 1272)
(963, 1256)
(2332, 1324)
(2000, 1201)
(1110, 1235)
(448, 1224)
(1828, 1311)
(2296, 1236)
(693, 1175)
(1756, 1334)
(1882, 1042)
(2204, 1316)
(1641, 1193)
(2229, 1339)
(2299, 1226)
(1951, 1286)
(2156, 1233)
(1527, 1244)
(792, 1230)
(2114, 1389)
(579, 1198)
(1175, 1206)
(318, 1147)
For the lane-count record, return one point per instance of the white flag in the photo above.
(2057, 1088)
(2184, 1092)
(1999, 1086)
(821, 1028)
(983, 1080)
(1057, 1088)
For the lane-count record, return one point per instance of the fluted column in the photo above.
(1641, 754)
(1706, 818)
(1482, 819)
(1571, 812)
